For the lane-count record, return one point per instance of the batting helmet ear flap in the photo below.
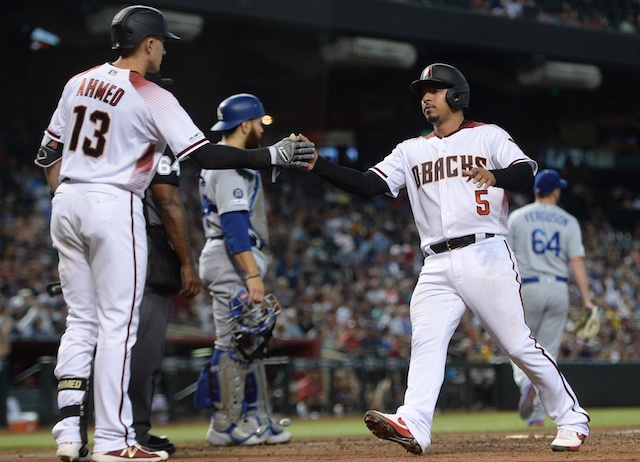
(459, 92)
(458, 96)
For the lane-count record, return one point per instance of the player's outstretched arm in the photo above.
(285, 153)
(362, 184)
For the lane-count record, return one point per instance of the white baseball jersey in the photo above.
(445, 204)
(115, 125)
(482, 276)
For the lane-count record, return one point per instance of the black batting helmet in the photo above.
(458, 94)
(133, 23)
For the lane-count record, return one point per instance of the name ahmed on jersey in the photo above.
(102, 91)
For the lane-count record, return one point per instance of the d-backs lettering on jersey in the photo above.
(447, 167)
(446, 204)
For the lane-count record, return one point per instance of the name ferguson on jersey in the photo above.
(103, 91)
(445, 167)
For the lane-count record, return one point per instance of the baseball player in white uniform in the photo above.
(456, 179)
(108, 133)
(547, 242)
(234, 218)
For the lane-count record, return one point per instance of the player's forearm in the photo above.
(52, 174)
(362, 184)
(174, 220)
(516, 177)
(579, 271)
(248, 264)
(219, 156)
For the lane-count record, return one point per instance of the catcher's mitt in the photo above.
(589, 325)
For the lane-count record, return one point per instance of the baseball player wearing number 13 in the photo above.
(102, 147)
(456, 179)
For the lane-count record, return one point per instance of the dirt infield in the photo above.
(621, 444)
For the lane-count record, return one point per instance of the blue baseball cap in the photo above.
(548, 180)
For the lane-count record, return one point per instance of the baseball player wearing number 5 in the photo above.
(100, 151)
(456, 179)
(547, 241)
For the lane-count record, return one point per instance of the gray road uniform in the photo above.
(227, 192)
(544, 239)
(238, 385)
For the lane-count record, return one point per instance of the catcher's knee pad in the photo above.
(76, 410)
(221, 385)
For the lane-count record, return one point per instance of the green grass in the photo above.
(353, 426)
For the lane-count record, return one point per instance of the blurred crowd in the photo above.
(343, 269)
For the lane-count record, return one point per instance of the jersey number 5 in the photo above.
(483, 204)
(93, 147)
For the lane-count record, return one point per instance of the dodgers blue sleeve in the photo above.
(235, 228)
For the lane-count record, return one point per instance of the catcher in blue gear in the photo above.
(232, 267)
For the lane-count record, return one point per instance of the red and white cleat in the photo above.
(391, 427)
(567, 440)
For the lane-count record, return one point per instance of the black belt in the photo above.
(456, 243)
(530, 280)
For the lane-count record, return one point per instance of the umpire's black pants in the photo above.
(146, 358)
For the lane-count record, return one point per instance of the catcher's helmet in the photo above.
(236, 109)
(458, 94)
(133, 23)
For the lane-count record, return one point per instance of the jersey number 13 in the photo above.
(94, 146)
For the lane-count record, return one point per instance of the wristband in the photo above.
(273, 154)
(251, 276)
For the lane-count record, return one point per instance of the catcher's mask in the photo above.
(253, 323)
(445, 76)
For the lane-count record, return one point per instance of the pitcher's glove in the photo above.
(588, 326)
